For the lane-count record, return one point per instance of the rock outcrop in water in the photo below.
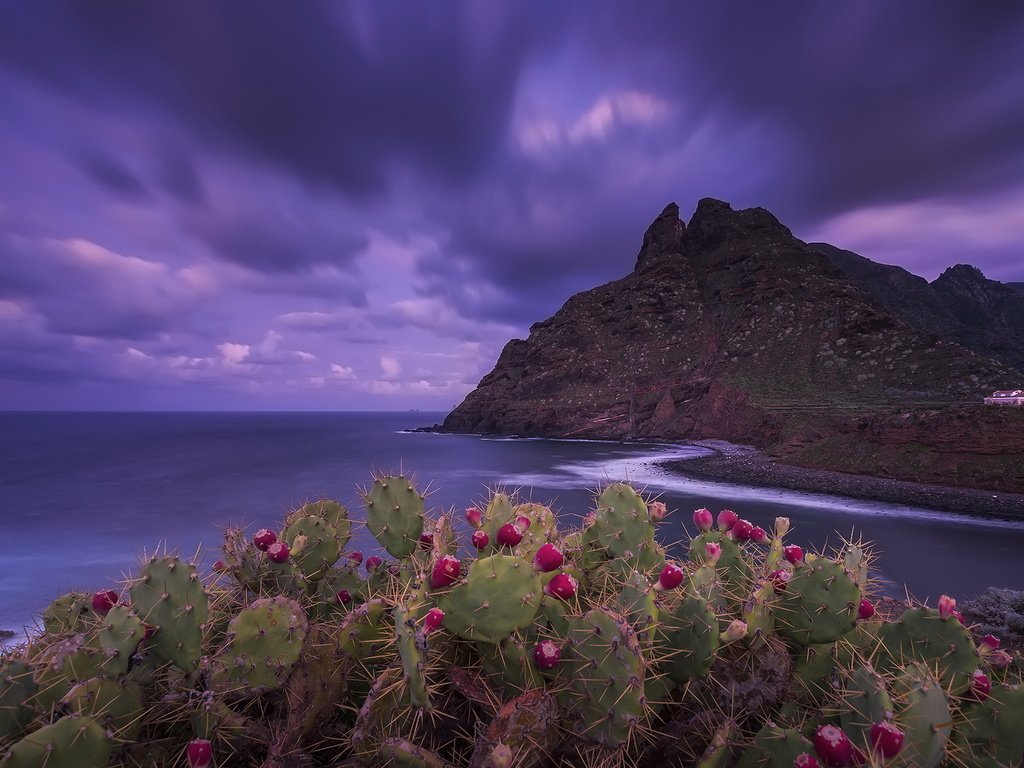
(730, 327)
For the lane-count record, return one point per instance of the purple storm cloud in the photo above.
(355, 205)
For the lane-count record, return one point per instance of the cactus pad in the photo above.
(169, 596)
(819, 605)
(922, 635)
(502, 593)
(394, 514)
(71, 742)
(314, 545)
(264, 642)
(606, 671)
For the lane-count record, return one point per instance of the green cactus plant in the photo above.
(71, 742)
(169, 597)
(394, 514)
(264, 642)
(501, 593)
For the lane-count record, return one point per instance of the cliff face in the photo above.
(961, 305)
(732, 328)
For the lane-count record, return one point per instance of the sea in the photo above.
(85, 496)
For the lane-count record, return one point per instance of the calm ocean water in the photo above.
(83, 495)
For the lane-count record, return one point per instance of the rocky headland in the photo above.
(729, 327)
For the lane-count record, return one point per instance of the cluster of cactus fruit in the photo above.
(532, 646)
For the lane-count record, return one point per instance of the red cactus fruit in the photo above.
(523, 523)
(999, 659)
(866, 609)
(474, 517)
(805, 760)
(727, 519)
(426, 540)
(759, 535)
(833, 746)
(671, 577)
(509, 535)
(988, 643)
(355, 558)
(563, 586)
(702, 519)
(981, 686)
(278, 552)
(445, 572)
(432, 620)
(947, 607)
(480, 539)
(220, 567)
(103, 601)
(741, 530)
(199, 753)
(780, 579)
(886, 739)
(548, 558)
(344, 597)
(793, 553)
(958, 616)
(712, 551)
(373, 563)
(263, 539)
(546, 654)
(657, 511)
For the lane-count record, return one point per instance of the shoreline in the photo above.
(743, 465)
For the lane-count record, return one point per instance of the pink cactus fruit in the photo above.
(793, 554)
(712, 552)
(432, 620)
(373, 563)
(263, 539)
(278, 552)
(546, 654)
(671, 577)
(356, 558)
(657, 511)
(103, 601)
(947, 607)
(548, 558)
(509, 535)
(833, 746)
(727, 519)
(866, 609)
(886, 739)
(199, 753)
(981, 686)
(426, 540)
(474, 517)
(741, 530)
(344, 597)
(562, 586)
(805, 760)
(445, 572)
(703, 519)
(480, 539)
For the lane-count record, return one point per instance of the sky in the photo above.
(354, 205)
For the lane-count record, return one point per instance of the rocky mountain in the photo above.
(732, 328)
(961, 305)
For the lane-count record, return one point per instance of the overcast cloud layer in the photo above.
(354, 205)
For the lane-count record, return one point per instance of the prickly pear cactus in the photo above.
(690, 640)
(117, 705)
(605, 667)
(995, 727)
(16, 690)
(775, 747)
(365, 631)
(412, 651)
(264, 642)
(313, 545)
(501, 594)
(922, 711)
(71, 742)
(394, 514)
(68, 613)
(169, 597)
(819, 604)
(120, 634)
(331, 512)
(922, 635)
(622, 524)
(865, 702)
